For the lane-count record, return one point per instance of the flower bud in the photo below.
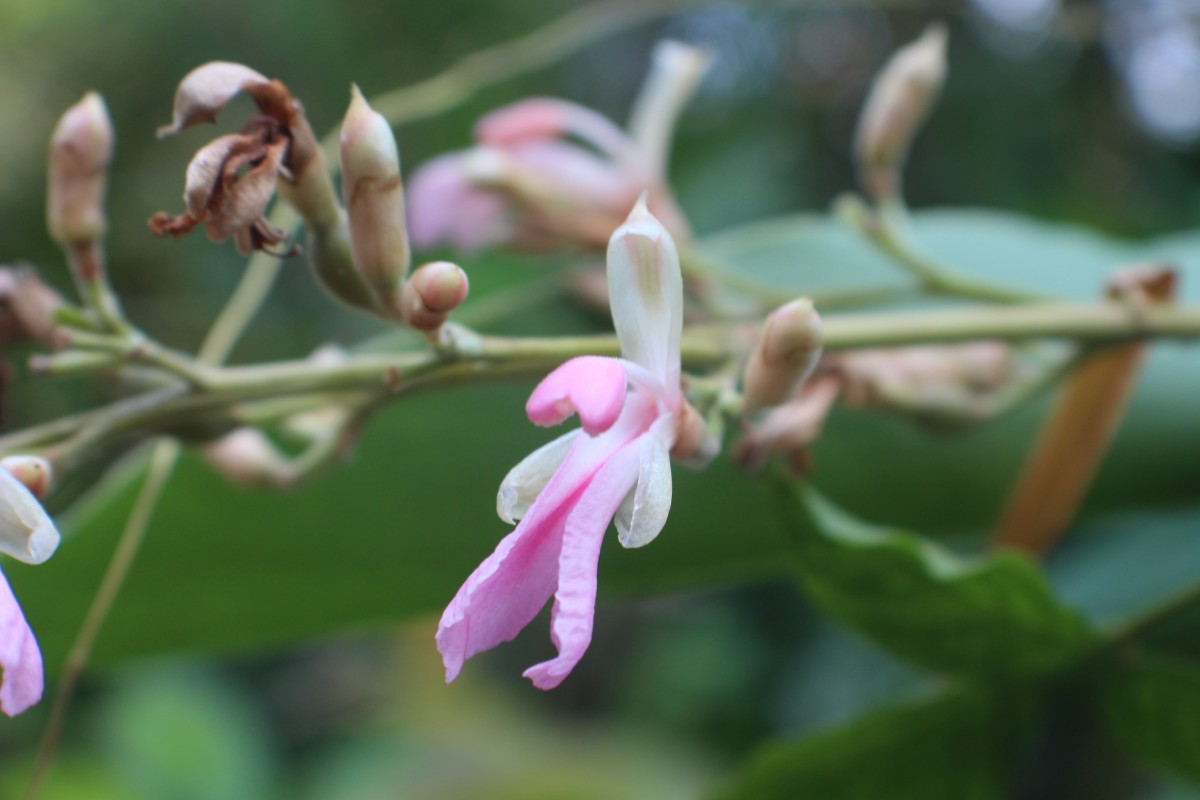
(374, 196)
(34, 473)
(80, 151)
(247, 458)
(26, 531)
(433, 291)
(645, 290)
(697, 440)
(32, 305)
(899, 101)
(791, 428)
(786, 353)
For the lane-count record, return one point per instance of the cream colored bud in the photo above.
(786, 353)
(80, 151)
(247, 458)
(34, 473)
(900, 99)
(374, 197)
(433, 291)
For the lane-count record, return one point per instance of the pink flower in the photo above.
(27, 534)
(526, 185)
(617, 467)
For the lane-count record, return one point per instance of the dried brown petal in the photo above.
(163, 224)
(203, 184)
(205, 90)
(241, 199)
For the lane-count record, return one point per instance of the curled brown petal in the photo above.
(203, 185)
(205, 90)
(247, 183)
(262, 235)
(163, 224)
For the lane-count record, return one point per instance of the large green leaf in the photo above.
(988, 616)
(958, 746)
(395, 532)
(1153, 706)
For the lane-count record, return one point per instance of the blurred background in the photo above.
(1085, 113)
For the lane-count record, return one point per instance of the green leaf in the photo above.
(954, 747)
(187, 734)
(987, 616)
(1153, 707)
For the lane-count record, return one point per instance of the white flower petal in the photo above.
(525, 481)
(645, 290)
(639, 522)
(26, 531)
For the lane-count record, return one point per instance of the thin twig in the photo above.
(162, 461)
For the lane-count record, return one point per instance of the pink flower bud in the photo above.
(80, 151)
(374, 197)
(34, 473)
(247, 458)
(27, 308)
(433, 291)
(790, 429)
(785, 355)
(900, 100)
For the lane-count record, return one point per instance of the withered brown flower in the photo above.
(232, 179)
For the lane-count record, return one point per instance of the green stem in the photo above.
(91, 279)
(887, 230)
(1084, 323)
(489, 358)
